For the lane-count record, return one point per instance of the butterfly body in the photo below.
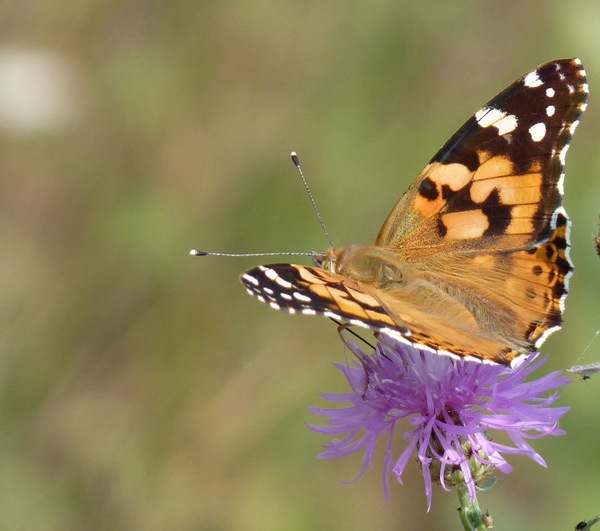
(473, 260)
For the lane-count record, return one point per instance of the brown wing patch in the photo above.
(546, 270)
(438, 181)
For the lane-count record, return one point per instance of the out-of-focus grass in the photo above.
(141, 388)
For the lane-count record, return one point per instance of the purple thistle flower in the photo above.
(451, 407)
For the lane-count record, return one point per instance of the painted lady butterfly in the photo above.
(473, 261)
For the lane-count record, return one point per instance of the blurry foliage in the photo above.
(141, 388)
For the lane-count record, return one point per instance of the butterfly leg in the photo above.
(344, 331)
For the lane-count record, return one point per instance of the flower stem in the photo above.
(470, 514)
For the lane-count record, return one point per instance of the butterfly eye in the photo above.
(328, 260)
(391, 275)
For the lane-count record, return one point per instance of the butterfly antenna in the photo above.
(197, 252)
(296, 162)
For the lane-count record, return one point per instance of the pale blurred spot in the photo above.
(40, 91)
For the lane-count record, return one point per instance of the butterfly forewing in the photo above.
(499, 179)
(473, 260)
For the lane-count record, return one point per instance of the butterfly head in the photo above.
(328, 259)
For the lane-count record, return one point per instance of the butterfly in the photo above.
(473, 261)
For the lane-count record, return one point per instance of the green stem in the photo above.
(470, 514)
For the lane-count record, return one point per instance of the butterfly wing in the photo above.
(315, 291)
(498, 182)
(491, 306)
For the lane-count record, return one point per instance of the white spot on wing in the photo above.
(550, 92)
(545, 335)
(488, 116)
(356, 322)
(392, 332)
(506, 125)
(309, 311)
(561, 183)
(532, 80)
(563, 154)
(537, 131)
(250, 278)
(283, 283)
(286, 296)
(301, 298)
(550, 110)
(275, 306)
(574, 126)
(271, 274)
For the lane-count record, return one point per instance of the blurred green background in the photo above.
(142, 388)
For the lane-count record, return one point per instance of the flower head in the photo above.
(452, 409)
